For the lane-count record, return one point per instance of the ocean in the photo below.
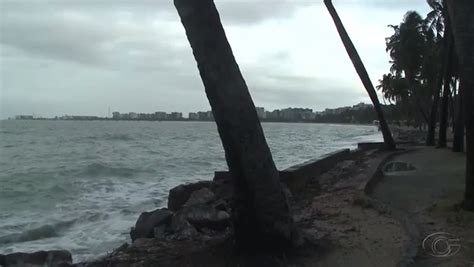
(80, 185)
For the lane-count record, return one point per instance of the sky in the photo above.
(82, 57)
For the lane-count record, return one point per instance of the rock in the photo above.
(206, 217)
(2, 259)
(221, 205)
(52, 258)
(118, 250)
(287, 191)
(201, 196)
(182, 229)
(148, 221)
(181, 193)
(222, 186)
(159, 231)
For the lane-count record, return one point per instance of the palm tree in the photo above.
(435, 19)
(432, 67)
(394, 88)
(261, 212)
(406, 48)
(364, 76)
(460, 14)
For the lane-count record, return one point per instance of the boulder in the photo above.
(221, 204)
(203, 216)
(160, 231)
(181, 228)
(201, 196)
(223, 186)
(52, 258)
(148, 221)
(181, 193)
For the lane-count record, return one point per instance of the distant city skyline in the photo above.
(262, 112)
(108, 111)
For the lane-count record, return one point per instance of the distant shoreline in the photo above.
(187, 120)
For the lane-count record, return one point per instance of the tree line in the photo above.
(424, 79)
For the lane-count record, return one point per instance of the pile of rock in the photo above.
(195, 210)
(52, 258)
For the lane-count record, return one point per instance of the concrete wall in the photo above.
(296, 177)
(371, 145)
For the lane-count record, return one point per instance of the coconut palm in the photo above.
(406, 47)
(432, 68)
(364, 76)
(434, 20)
(461, 18)
(261, 213)
(394, 88)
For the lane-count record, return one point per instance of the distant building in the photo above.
(145, 116)
(193, 116)
(24, 117)
(205, 115)
(273, 115)
(260, 112)
(116, 115)
(297, 114)
(335, 111)
(160, 115)
(361, 105)
(78, 118)
(176, 116)
(85, 117)
(210, 116)
(133, 115)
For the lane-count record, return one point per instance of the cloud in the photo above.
(61, 36)
(80, 56)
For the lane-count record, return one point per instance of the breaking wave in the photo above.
(101, 169)
(42, 232)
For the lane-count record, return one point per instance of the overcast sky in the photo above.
(82, 56)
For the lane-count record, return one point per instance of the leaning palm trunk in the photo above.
(364, 76)
(462, 21)
(261, 213)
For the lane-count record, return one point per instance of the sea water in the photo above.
(80, 185)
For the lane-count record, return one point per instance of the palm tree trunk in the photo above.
(364, 76)
(452, 104)
(458, 141)
(261, 212)
(430, 138)
(443, 124)
(417, 104)
(460, 12)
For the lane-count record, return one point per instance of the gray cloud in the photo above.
(81, 56)
(56, 37)
(275, 91)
